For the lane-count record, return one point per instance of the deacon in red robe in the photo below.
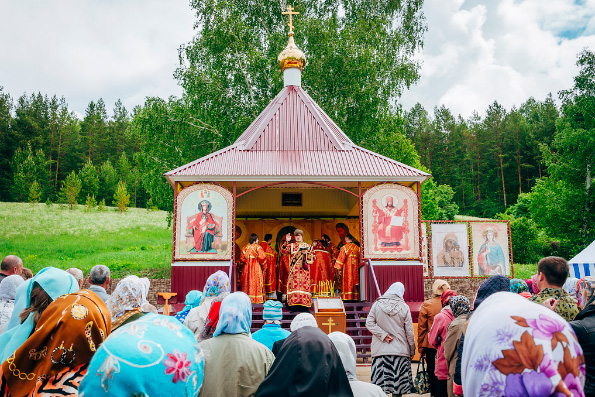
(298, 282)
(253, 258)
(321, 268)
(284, 266)
(348, 266)
(270, 267)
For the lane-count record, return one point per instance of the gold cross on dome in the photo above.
(330, 324)
(290, 12)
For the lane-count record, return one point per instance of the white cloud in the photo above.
(86, 50)
(478, 52)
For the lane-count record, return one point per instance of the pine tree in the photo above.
(90, 202)
(121, 197)
(71, 189)
(34, 193)
(89, 180)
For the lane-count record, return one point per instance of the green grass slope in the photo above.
(134, 242)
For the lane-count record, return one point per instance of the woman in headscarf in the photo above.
(235, 364)
(346, 348)
(570, 286)
(427, 312)
(518, 286)
(215, 290)
(192, 300)
(152, 356)
(393, 341)
(8, 291)
(302, 320)
(584, 328)
(460, 308)
(126, 302)
(492, 285)
(48, 285)
(308, 364)
(436, 338)
(54, 359)
(514, 347)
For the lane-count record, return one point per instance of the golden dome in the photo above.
(291, 56)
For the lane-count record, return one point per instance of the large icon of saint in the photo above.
(204, 228)
(390, 224)
(451, 254)
(490, 257)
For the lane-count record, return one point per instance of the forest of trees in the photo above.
(532, 165)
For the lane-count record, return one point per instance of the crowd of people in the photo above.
(518, 337)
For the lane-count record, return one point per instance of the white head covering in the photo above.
(8, 287)
(513, 346)
(570, 286)
(346, 348)
(130, 293)
(303, 320)
(396, 289)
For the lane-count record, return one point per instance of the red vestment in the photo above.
(348, 260)
(252, 258)
(283, 267)
(204, 228)
(270, 268)
(321, 268)
(298, 281)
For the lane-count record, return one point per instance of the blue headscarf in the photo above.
(193, 299)
(517, 286)
(235, 315)
(152, 356)
(55, 283)
(217, 283)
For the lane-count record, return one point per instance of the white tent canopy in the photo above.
(583, 264)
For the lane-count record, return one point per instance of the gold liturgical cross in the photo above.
(330, 324)
(290, 12)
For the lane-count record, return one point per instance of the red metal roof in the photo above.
(293, 138)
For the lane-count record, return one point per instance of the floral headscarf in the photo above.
(152, 356)
(517, 286)
(235, 315)
(459, 305)
(516, 347)
(570, 286)
(534, 284)
(67, 335)
(217, 283)
(130, 293)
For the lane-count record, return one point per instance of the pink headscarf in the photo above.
(534, 284)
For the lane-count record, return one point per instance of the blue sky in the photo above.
(475, 52)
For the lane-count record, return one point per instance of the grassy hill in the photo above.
(134, 242)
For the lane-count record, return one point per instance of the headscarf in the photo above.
(446, 295)
(235, 315)
(192, 300)
(492, 285)
(302, 320)
(346, 348)
(272, 310)
(534, 284)
(152, 356)
(517, 286)
(515, 347)
(307, 364)
(130, 294)
(217, 283)
(8, 287)
(67, 335)
(55, 283)
(586, 285)
(570, 286)
(529, 285)
(459, 304)
(439, 287)
(396, 289)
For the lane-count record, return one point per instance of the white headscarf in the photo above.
(570, 286)
(8, 287)
(346, 348)
(396, 289)
(130, 293)
(303, 320)
(513, 346)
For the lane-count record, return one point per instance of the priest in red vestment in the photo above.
(321, 268)
(270, 267)
(298, 282)
(252, 259)
(348, 266)
(284, 266)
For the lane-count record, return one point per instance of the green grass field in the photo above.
(134, 242)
